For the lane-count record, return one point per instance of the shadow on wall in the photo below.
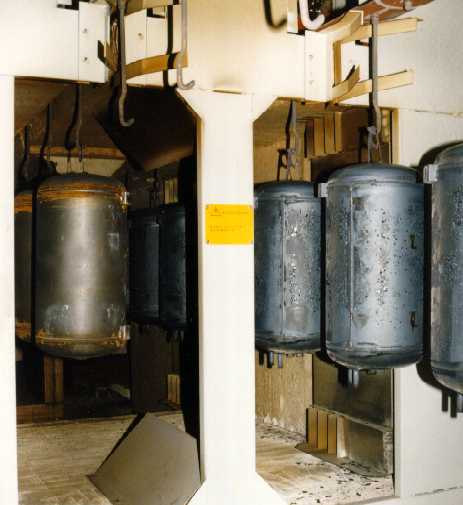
(424, 367)
(189, 366)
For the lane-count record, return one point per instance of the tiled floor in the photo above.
(54, 460)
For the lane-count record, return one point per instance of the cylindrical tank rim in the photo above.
(452, 155)
(285, 189)
(80, 186)
(23, 202)
(373, 172)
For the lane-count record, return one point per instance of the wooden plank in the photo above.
(319, 136)
(154, 64)
(338, 133)
(344, 27)
(108, 153)
(312, 427)
(170, 394)
(391, 81)
(48, 379)
(348, 84)
(385, 28)
(310, 138)
(330, 142)
(59, 380)
(322, 439)
(27, 414)
(179, 391)
(337, 59)
(332, 434)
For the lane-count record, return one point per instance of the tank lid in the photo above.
(79, 185)
(295, 189)
(81, 179)
(373, 172)
(451, 155)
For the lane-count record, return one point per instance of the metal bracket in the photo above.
(323, 190)
(184, 50)
(324, 79)
(125, 199)
(430, 173)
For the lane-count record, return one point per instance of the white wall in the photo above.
(433, 52)
(429, 453)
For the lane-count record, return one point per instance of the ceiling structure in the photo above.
(102, 137)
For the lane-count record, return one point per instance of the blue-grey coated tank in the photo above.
(172, 267)
(287, 267)
(144, 265)
(374, 266)
(447, 268)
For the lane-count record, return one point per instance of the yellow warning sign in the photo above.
(229, 224)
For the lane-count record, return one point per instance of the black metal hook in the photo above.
(181, 56)
(123, 94)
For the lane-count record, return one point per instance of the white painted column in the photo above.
(226, 305)
(8, 458)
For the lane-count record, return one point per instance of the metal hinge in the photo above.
(430, 173)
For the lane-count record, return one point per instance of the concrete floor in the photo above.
(55, 458)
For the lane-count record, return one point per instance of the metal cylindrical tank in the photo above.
(374, 266)
(81, 270)
(172, 267)
(144, 265)
(23, 264)
(287, 267)
(447, 268)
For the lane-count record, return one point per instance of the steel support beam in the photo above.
(226, 305)
(8, 451)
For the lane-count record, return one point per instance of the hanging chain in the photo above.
(50, 131)
(374, 130)
(289, 158)
(45, 149)
(25, 161)
(122, 67)
(79, 146)
(77, 125)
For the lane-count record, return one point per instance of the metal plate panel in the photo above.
(372, 401)
(155, 464)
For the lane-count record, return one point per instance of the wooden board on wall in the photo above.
(284, 394)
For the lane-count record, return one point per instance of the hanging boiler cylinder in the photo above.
(374, 267)
(287, 267)
(81, 271)
(446, 177)
(144, 265)
(23, 264)
(172, 267)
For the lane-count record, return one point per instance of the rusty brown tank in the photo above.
(23, 264)
(82, 280)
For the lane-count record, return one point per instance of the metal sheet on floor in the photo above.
(156, 464)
